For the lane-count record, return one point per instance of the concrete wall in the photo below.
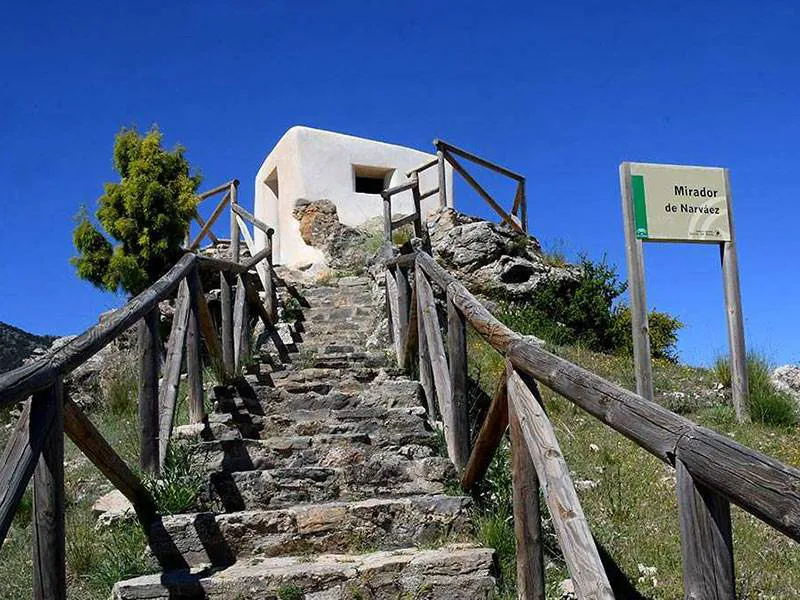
(311, 164)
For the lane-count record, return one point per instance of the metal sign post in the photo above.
(670, 203)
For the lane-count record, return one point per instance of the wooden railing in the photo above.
(711, 470)
(446, 153)
(36, 447)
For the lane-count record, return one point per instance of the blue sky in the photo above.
(562, 92)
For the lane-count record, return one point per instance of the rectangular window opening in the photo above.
(371, 180)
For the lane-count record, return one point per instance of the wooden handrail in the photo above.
(403, 187)
(223, 187)
(211, 220)
(482, 192)
(40, 374)
(711, 469)
(446, 147)
(252, 218)
(423, 167)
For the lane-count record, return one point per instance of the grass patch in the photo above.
(765, 404)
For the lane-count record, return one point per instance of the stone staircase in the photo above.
(325, 478)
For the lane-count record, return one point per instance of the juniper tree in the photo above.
(145, 215)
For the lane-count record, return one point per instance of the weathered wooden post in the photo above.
(387, 217)
(527, 517)
(523, 207)
(149, 350)
(457, 362)
(706, 540)
(442, 177)
(425, 372)
(194, 366)
(226, 310)
(49, 565)
(270, 295)
(171, 377)
(241, 333)
(234, 191)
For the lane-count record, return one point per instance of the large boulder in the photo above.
(489, 258)
(342, 245)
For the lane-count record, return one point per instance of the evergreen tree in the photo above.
(146, 216)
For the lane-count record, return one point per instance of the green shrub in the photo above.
(765, 403)
(290, 592)
(663, 333)
(585, 312)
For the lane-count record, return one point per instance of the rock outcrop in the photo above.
(320, 227)
(491, 259)
(787, 379)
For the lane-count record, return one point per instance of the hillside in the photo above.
(16, 345)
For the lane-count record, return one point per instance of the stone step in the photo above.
(398, 426)
(377, 524)
(352, 476)
(308, 357)
(301, 451)
(459, 571)
(388, 393)
(298, 379)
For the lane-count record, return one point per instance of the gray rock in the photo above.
(489, 258)
(787, 379)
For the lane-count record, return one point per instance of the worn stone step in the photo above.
(352, 476)
(309, 358)
(388, 393)
(300, 451)
(376, 524)
(301, 379)
(398, 426)
(460, 572)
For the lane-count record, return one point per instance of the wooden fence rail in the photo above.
(36, 447)
(711, 470)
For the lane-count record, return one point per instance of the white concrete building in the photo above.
(311, 164)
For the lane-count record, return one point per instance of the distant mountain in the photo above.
(16, 345)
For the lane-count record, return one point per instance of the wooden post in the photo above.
(226, 309)
(394, 314)
(49, 566)
(241, 333)
(387, 218)
(576, 541)
(418, 233)
(425, 374)
(733, 311)
(149, 351)
(706, 540)
(457, 362)
(194, 366)
(527, 517)
(403, 300)
(442, 179)
(270, 296)
(635, 257)
(170, 382)
(234, 223)
(91, 442)
(523, 215)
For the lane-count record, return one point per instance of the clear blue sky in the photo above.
(561, 92)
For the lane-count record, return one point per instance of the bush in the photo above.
(663, 333)
(585, 312)
(765, 403)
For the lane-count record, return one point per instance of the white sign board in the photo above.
(679, 204)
